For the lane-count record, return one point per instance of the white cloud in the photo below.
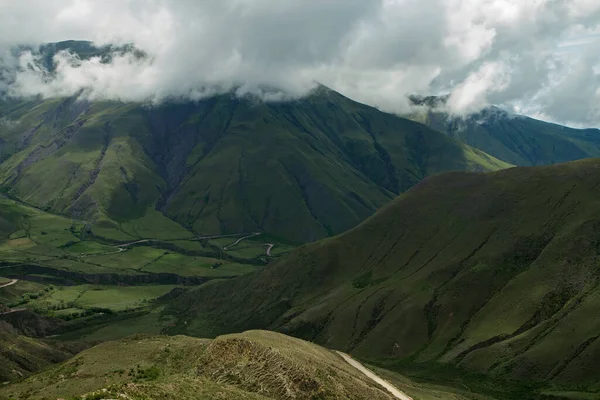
(472, 93)
(534, 55)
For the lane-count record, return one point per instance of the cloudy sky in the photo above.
(538, 57)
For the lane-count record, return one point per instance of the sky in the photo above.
(535, 57)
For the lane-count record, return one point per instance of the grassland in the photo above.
(114, 298)
(35, 237)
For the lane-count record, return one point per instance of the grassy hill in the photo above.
(494, 273)
(251, 365)
(515, 139)
(300, 170)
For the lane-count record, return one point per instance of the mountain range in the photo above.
(513, 138)
(453, 250)
(300, 170)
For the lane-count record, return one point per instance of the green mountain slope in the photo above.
(515, 139)
(300, 170)
(496, 273)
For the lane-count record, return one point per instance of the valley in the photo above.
(58, 268)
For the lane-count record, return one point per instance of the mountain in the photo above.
(516, 139)
(43, 55)
(299, 170)
(492, 273)
(253, 365)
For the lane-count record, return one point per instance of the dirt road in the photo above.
(371, 375)
(269, 247)
(138, 241)
(239, 240)
(12, 282)
(13, 311)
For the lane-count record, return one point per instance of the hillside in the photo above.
(516, 139)
(252, 365)
(300, 170)
(495, 273)
(21, 355)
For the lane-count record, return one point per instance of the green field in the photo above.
(118, 298)
(34, 237)
(153, 260)
(88, 248)
(65, 300)
(85, 297)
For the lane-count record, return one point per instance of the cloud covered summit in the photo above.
(536, 57)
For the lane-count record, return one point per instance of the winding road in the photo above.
(138, 241)
(121, 249)
(269, 247)
(240, 239)
(124, 246)
(371, 375)
(12, 282)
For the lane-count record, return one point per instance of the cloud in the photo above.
(471, 94)
(533, 56)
